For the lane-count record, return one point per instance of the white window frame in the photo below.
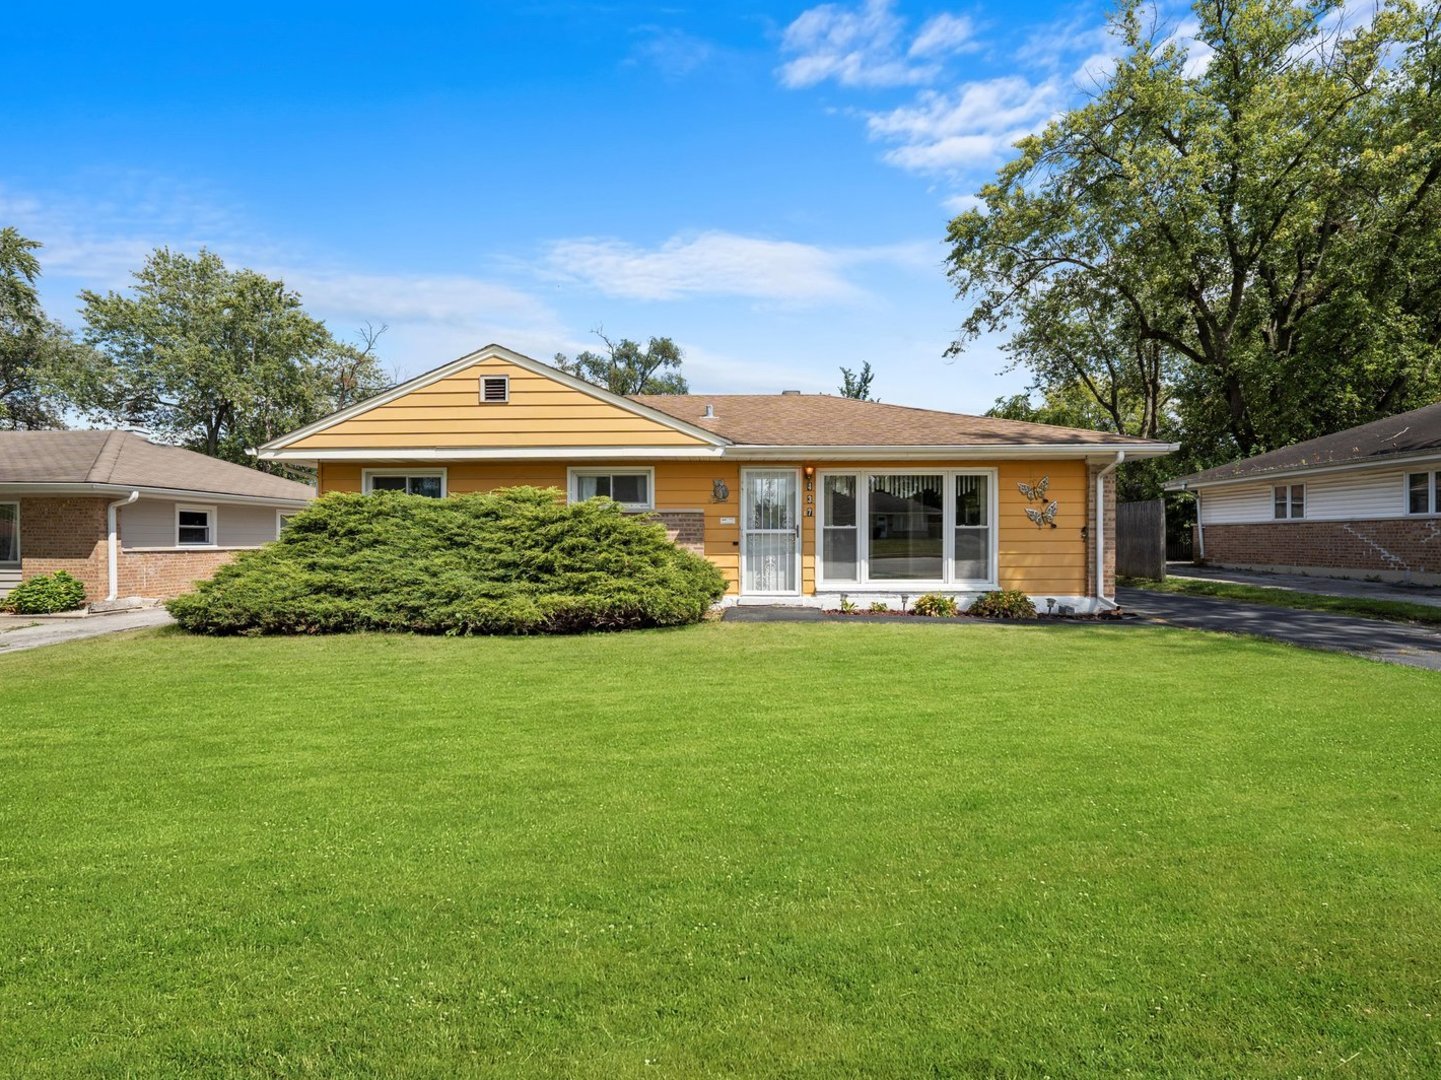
(212, 519)
(949, 581)
(366, 474)
(19, 555)
(280, 516)
(480, 390)
(1291, 514)
(1433, 487)
(573, 474)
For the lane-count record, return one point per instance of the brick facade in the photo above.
(1092, 473)
(71, 534)
(1394, 547)
(64, 533)
(684, 527)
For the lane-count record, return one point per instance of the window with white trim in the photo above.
(895, 528)
(282, 519)
(494, 389)
(194, 526)
(1423, 493)
(9, 534)
(1289, 501)
(427, 482)
(632, 488)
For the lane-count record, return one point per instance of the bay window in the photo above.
(890, 528)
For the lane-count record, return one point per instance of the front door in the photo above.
(771, 532)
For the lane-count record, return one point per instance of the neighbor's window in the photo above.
(282, 519)
(9, 532)
(429, 484)
(897, 527)
(194, 526)
(631, 489)
(1290, 501)
(1423, 493)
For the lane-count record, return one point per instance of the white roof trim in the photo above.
(192, 494)
(980, 452)
(1400, 461)
(492, 352)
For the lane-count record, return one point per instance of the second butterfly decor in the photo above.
(1046, 515)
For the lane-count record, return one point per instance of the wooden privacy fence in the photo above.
(1141, 539)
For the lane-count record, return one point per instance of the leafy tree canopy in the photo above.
(215, 359)
(857, 384)
(626, 368)
(1241, 242)
(34, 350)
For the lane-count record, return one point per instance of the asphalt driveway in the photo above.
(20, 632)
(1395, 643)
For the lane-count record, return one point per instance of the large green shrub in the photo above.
(515, 561)
(46, 594)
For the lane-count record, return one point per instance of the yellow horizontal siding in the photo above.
(540, 412)
(1036, 560)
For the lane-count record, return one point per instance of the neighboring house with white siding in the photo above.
(1365, 502)
(127, 516)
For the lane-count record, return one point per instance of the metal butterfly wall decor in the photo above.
(1036, 492)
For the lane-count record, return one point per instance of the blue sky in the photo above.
(769, 184)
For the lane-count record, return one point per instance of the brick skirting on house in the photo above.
(70, 534)
(684, 527)
(1395, 547)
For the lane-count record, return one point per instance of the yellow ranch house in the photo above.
(798, 498)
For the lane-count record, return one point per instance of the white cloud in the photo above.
(674, 53)
(866, 46)
(972, 126)
(959, 204)
(718, 264)
(945, 34)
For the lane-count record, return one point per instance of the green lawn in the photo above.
(1365, 607)
(736, 849)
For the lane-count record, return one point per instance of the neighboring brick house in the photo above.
(127, 516)
(1365, 502)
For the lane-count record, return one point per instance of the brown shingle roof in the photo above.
(823, 420)
(124, 459)
(1413, 432)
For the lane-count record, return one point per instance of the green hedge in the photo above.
(45, 595)
(514, 561)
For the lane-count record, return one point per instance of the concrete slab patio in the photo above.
(21, 632)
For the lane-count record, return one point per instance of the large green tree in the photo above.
(215, 359)
(1239, 239)
(627, 368)
(35, 351)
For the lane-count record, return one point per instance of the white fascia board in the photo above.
(461, 453)
(972, 452)
(1423, 457)
(492, 352)
(182, 494)
(735, 453)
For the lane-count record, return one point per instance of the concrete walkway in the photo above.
(1323, 586)
(21, 632)
(1396, 643)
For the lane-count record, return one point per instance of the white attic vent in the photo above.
(709, 413)
(494, 389)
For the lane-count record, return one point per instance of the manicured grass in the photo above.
(734, 849)
(1390, 610)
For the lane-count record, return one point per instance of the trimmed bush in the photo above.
(514, 561)
(935, 605)
(46, 594)
(1003, 604)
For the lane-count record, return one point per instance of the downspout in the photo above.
(1199, 555)
(112, 522)
(1101, 526)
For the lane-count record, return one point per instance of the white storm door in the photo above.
(771, 532)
